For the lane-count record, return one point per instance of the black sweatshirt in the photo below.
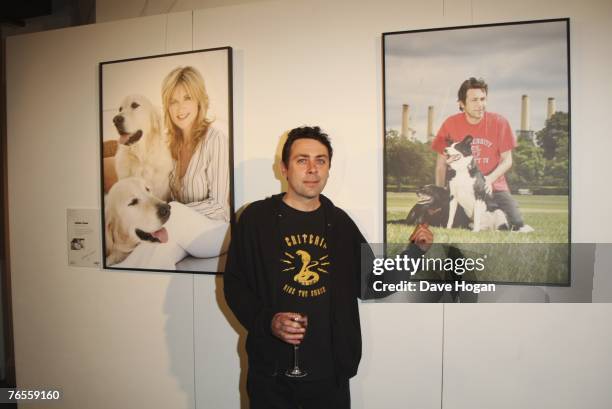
(251, 282)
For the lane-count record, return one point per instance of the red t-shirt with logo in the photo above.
(492, 136)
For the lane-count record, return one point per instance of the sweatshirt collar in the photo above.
(327, 205)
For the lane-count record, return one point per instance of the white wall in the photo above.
(110, 10)
(156, 340)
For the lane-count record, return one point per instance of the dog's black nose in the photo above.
(118, 120)
(163, 211)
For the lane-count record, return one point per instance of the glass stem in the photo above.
(295, 356)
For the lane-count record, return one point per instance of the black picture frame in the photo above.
(424, 69)
(202, 222)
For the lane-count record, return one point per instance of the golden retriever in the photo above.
(143, 149)
(132, 214)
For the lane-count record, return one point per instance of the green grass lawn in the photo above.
(512, 257)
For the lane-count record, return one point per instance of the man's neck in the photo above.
(301, 203)
(470, 120)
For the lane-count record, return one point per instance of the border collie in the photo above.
(467, 188)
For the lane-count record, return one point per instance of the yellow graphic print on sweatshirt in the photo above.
(306, 271)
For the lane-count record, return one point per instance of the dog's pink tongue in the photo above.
(123, 138)
(161, 235)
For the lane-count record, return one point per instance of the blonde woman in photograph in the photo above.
(199, 182)
(200, 178)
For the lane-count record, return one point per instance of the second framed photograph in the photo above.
(167, 161)
(477, 144)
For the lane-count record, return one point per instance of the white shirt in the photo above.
(205, 186)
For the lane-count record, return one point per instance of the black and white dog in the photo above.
(467, 188)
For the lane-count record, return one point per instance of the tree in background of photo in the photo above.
(543, 168)
(410, 164)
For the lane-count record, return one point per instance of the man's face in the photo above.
(307, 169)
(474, 105)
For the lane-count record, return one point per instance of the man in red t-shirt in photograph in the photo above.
(493, 141)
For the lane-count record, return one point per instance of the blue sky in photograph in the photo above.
(427, 68)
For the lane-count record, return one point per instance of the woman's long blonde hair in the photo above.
(193, 82)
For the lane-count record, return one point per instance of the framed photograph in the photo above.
(477, 145)
(167, 161)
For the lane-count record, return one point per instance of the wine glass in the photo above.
(296, 371)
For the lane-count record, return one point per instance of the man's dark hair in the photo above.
(471, 83)
(305, 132)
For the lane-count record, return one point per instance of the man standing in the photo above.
(292, 256)
(492, 146)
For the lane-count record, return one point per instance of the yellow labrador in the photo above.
(132, 214)
(143, 149)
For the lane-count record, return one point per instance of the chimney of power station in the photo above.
(430, 122)
(406, 120)
(551, 108)
(525, 113)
